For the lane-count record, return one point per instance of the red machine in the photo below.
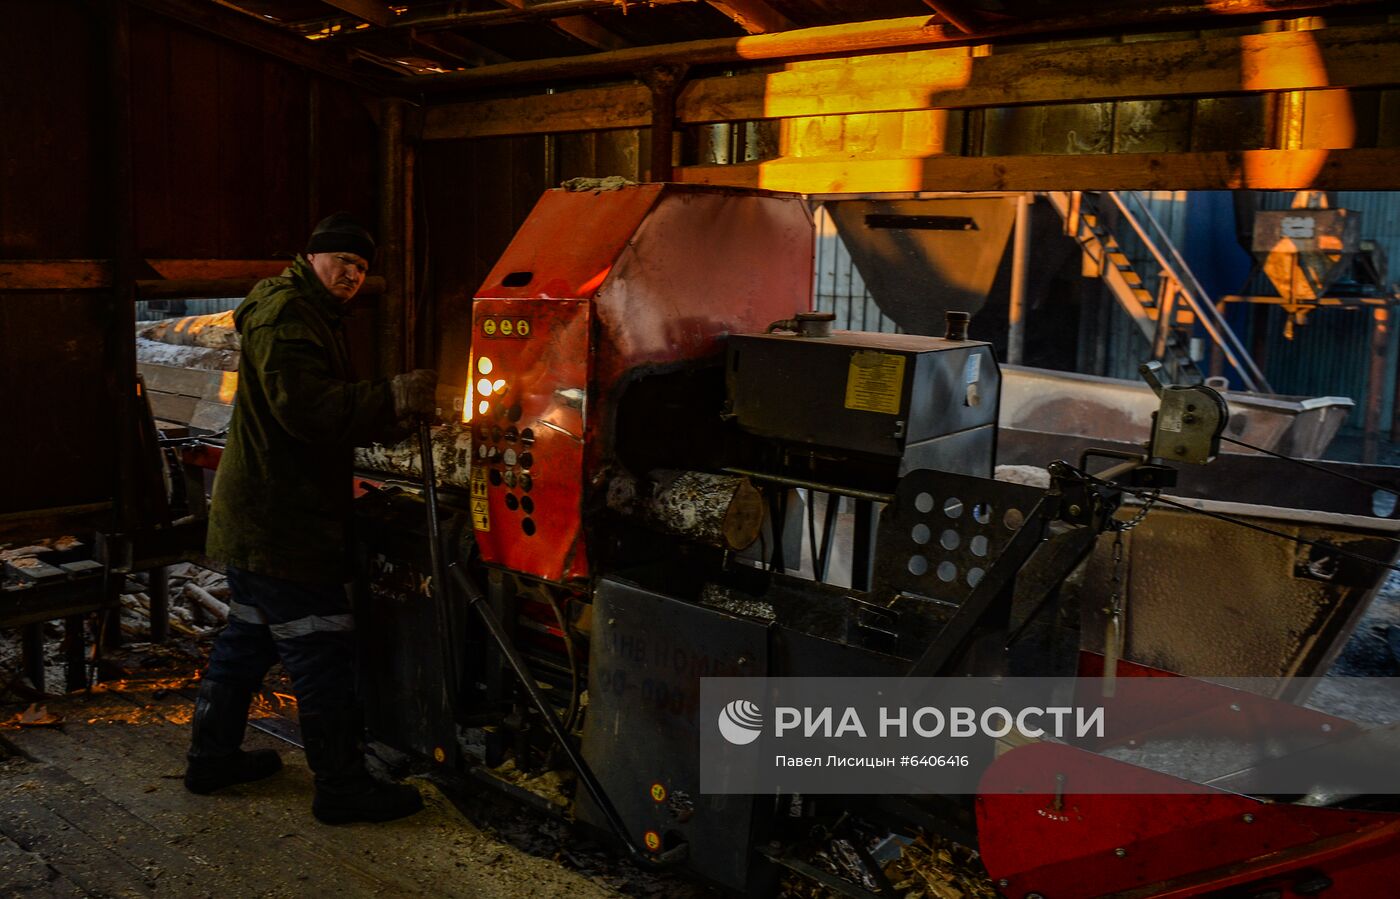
(607, 296)
(596, 290)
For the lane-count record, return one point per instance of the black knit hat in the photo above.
(341, 233)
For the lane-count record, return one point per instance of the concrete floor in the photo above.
(94, 806)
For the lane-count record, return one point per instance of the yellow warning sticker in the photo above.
(875, 382)
(481, 513)
(658, 792)
(653, 840)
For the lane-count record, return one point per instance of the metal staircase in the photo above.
(1166, 316)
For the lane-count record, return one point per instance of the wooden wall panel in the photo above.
(347, 160)
(50, 190)
(224, 137)
(59, 419)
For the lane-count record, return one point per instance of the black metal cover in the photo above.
(878, 394)
(944, 531)
(648, 653)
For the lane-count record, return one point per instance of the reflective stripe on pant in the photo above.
(307, 626)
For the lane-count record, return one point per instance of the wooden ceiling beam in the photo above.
(754, 16)
(263, 37)
(375, 12)
(858, 38)
(952, 13)
(583, 28)
(458, 48)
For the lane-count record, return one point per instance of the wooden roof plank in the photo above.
(754, 16)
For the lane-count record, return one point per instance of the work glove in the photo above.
(415, 393)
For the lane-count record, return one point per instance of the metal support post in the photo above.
(1376, 381)
(1020, 253)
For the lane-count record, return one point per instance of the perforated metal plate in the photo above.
(943, 532)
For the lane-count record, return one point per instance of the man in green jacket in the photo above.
(280, 521)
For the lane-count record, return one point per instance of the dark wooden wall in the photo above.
(234, 155)
(224, 139)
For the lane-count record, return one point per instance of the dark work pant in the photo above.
(307, 626)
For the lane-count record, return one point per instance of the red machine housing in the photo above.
(597, 288)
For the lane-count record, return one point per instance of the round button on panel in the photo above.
(528, 505)
(511, 502)
(495, 477)
(528, 526)
(510, 478)
(527, 436)
(509, 455)
(511, 434)
(515, 412)
(526, 482)
(527, 460)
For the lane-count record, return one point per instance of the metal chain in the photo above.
(1147, 501)
(1115, 598)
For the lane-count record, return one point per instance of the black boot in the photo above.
(215, 759)
(345, 790)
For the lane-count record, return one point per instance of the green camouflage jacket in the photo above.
(281, 504)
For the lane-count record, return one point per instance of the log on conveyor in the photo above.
(214, 331)
(177, 356)
(452, 457)
(724, 511)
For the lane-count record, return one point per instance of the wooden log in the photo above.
(724, 511)
(215, 331)
(208, 601)
(153, 351)
(452, 457)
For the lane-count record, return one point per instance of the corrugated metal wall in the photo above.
(837, 285)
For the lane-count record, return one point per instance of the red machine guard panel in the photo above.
(528, 404)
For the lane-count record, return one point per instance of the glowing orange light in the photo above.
(482, 407)
(499, 385)
(483, 387)
(484, 365)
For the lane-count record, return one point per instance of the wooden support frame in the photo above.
(854, 38)
(953, 78)
(55, 274)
